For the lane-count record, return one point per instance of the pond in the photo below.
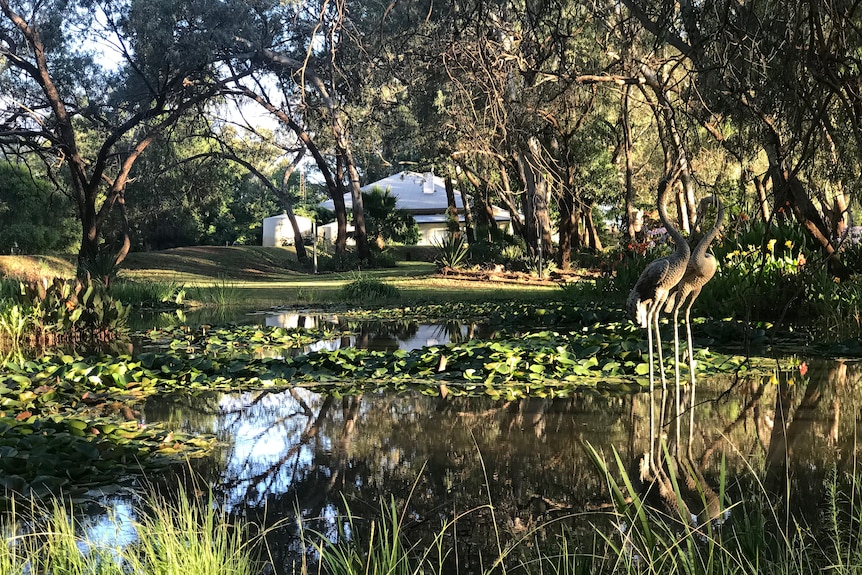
(477, 419)
(295, 452)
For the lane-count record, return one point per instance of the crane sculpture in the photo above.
(651, 291)
(700, 269)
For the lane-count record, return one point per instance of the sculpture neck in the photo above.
(678, 240)
(713, 232)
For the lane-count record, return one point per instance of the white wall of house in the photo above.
(277, 230)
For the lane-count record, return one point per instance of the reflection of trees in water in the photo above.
(391, 335)
(789, 430)
(298, 451)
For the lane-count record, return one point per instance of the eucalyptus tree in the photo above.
(784, 81)
(520, 110)
(301, 80)
(89, 85)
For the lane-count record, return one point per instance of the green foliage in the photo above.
(14, 322)
(151, 294)
(763, 276)
(752, 536)
(383, 258)
(534, 266)
(172, 203)
(384, 550)
(335, 262)
(101, 267)
(223, 293)
(385, 221)
(192, 537)
(452, 252)
(34, 217)
(621, 267)
(363, 288)
(51, 312)
(485, 252)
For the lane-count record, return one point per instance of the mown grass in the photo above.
(256, 276)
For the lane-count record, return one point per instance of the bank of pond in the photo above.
(521, 439)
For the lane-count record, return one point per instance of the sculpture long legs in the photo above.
(691, 373)
(654, 339)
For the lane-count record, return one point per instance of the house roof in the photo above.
(411, 192)
(417, 194)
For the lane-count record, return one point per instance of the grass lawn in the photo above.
(257, 276)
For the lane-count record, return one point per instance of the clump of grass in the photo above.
(185, 537)
(383, 552)
(363, 288)
(149, 293)
(223, 293)
(190, 537)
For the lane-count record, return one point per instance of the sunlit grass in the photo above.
(185, 536)
(191, 538)
(175, 538)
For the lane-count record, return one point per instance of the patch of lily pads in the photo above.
(41, 456)
(601, 355)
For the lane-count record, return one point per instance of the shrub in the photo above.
(59, 310)
(451, 252)
(363, 288)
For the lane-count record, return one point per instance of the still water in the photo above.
(376, 335)
(297, 453)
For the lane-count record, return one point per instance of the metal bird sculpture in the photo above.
(700, 269)
(652, 290)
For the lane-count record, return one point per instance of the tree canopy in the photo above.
(545, 108)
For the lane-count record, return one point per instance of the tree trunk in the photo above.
(791, 192)
(507, 197)
(484, 211)
(298, 242)
(595, 242)
(359, 235)
(568, 229)
(468, 217)
(453, 223)
(633, 220)
(537, 226)
(762, 199)
(681, 211)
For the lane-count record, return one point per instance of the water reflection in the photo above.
(300, 451)
(379, 335)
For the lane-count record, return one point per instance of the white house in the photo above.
(277, 230)
(424, 197)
